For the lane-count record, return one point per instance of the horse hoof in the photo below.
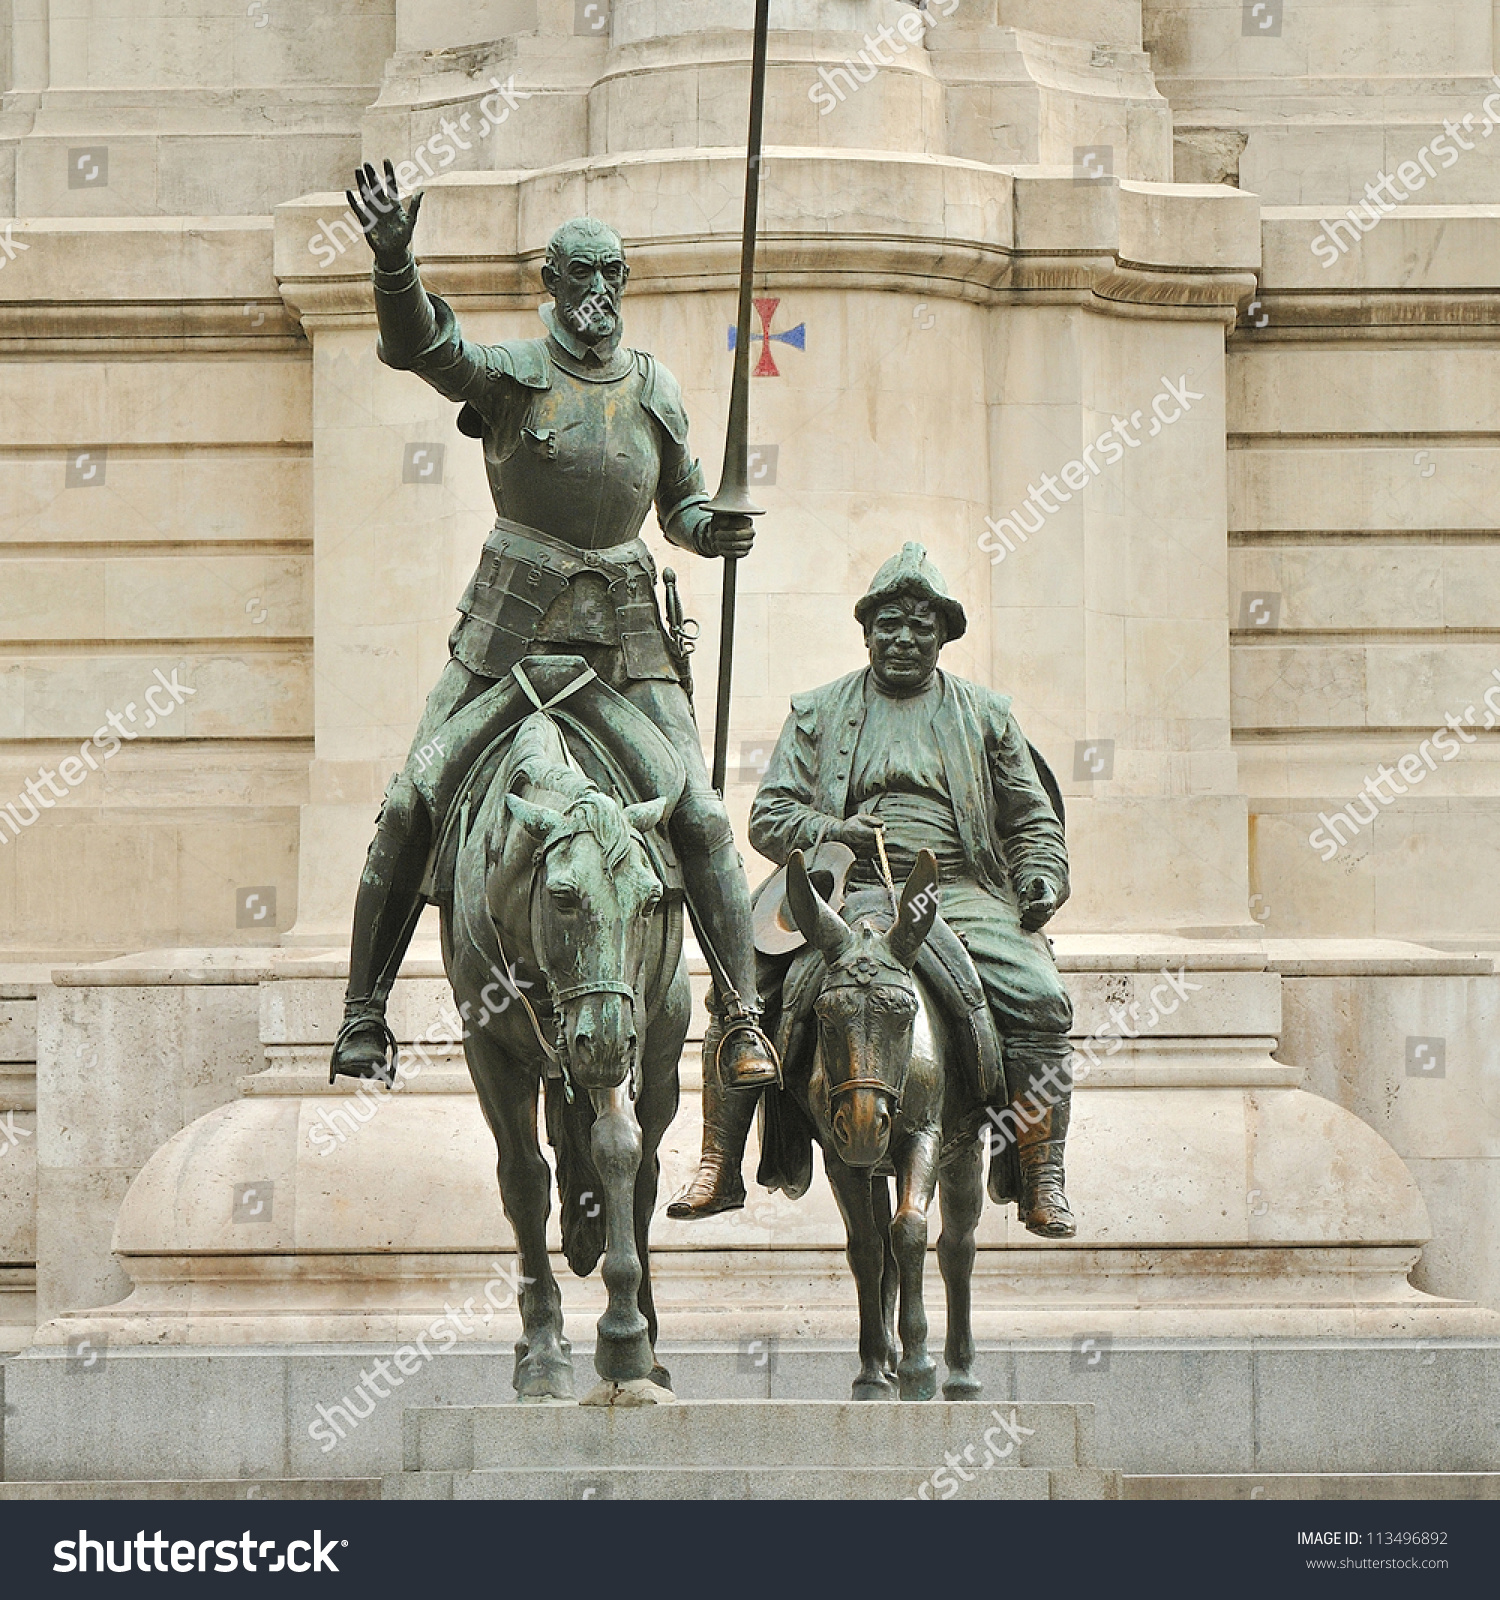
(538, 1382)
(873, 1389)
(638, 1392)
(919, 1385)
(543, 1374)
(661, 1377)
(624, 1358)
(962, 1386)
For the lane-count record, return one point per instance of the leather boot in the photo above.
(1043, 1206)
(720, 903)
(727, 1113)
(386, 911)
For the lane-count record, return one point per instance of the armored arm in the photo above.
(418, 331)
(681, 495)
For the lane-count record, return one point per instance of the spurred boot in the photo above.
(719, 1184)
(1043, 1206)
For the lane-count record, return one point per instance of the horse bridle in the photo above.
(564, 994)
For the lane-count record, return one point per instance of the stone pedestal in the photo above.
(17, 1160)
(1216, 1197)
(750, 1450)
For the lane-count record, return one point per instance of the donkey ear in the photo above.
(537, 820)
(816, 921)
(918, 912)
(645, 815)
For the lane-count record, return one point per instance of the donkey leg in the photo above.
(960, 1197)
(851, 1188)
(890, 1281)
(917, 1178)
(544, 1368)
(623, 1351)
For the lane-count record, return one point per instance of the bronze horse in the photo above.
(553, 879)
(881, 1090)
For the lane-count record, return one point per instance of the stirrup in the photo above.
(744, 1020)
(362, 1016)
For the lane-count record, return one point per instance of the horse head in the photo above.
(866, 1007)
(594, 895)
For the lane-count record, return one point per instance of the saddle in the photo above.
(615, 744)
(789, 988)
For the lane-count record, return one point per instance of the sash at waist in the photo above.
(916, 822)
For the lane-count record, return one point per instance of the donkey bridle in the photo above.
(894, 1090)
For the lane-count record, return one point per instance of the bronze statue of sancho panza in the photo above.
(581, 436)
(904, 754)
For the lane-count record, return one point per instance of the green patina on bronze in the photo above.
(919, 759)
(582, 436)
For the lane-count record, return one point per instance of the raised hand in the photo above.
(387, 226)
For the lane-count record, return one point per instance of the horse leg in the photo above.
(890, 1280)
(960, 1197)
(655, 1110)
(623, 1351)
(917, 1176)
(544, 1369)
(851, 1188)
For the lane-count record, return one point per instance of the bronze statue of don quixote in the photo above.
(889, 996)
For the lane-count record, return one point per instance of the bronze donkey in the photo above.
(881, 1089)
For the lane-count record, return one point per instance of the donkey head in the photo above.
(866, 1006)
(593, 898)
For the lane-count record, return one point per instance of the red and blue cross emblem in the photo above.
(796, 337)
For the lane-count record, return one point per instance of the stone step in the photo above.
(752, 1483)
(1314, 1486)
(197, 1489)
(749, 1434)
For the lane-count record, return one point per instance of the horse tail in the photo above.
(570, 1133)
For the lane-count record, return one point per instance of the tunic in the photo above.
(947, 770)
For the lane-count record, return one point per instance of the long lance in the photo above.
(733, 497)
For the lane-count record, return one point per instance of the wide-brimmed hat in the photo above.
(911, 573)
(776, 931)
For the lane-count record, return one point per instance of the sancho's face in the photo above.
(588, 288)
(904, 637)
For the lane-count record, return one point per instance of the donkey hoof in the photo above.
(919, 1384)
(962, 1386)
(866, 1388)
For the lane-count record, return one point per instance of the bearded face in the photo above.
(587, 287)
